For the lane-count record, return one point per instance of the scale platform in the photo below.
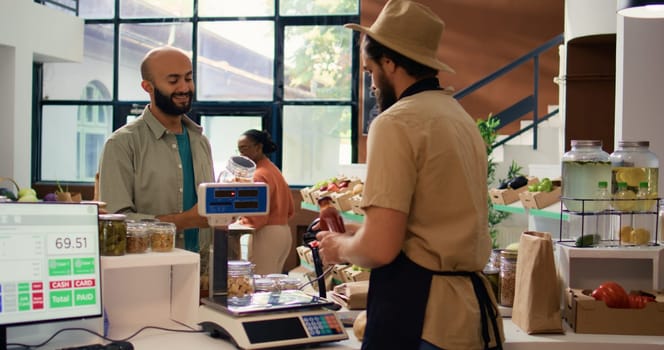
(273, 320)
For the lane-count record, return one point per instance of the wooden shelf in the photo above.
(550, 212)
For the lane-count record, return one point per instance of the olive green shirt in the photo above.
(426, 158)
(140, 173)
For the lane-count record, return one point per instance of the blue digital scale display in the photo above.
(223, 201)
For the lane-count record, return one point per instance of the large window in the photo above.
(286, 66)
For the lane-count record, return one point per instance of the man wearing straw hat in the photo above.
(425, 233)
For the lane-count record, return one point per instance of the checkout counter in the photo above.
(186, 312)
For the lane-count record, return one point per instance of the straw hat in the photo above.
(410, 29)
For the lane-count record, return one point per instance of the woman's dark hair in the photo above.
(262, 137)
(375, 50)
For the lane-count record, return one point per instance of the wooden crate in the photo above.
(508, 195)
(539, 200)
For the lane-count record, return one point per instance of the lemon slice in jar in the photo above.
(632, 176)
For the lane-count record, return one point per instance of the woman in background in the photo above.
(270, 244)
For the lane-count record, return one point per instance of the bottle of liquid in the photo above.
(603, 196)
(330, 219)
(582, 168)
(602, 222)
(624, 199)
(644, 199)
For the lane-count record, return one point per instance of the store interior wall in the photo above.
(481, 37)
(29, 33)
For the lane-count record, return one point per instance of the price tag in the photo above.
(70, 243)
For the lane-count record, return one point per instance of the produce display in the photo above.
(342, 191)
(615, 296)
(22, 194)
(513, 183)
(544, 185)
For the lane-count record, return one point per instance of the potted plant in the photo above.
(488, 130)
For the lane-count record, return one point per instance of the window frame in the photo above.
(271, 111)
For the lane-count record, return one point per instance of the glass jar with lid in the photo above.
(238, 169)
(583, 167)
(507, 277)
(240, 282)
(112, 234)
(138, 238)
(633, 162)
(162, 236)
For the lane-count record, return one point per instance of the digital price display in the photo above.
(233, 199)
(49, 262)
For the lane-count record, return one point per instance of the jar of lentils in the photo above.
(138, 238)
(507, 277)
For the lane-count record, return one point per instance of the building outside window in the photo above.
(286, 66)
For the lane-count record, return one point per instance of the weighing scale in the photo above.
(271, 319)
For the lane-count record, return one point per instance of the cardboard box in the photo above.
(338, 272)
(306, 194)
(539, 200)
(584, 314)
(356, 275)
(508, 195)
(305, 255)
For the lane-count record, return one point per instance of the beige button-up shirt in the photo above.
(426, 158)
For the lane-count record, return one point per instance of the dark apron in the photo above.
(397, 300)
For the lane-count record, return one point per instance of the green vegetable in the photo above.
(533, 188)
(588, 240)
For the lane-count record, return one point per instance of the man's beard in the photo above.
(165, 103)
(385, 94)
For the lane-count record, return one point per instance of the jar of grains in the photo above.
(507, 277)
(162, 236)
(112, 234)
(240, 282)
(138, 238)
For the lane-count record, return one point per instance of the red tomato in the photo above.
(612, 294)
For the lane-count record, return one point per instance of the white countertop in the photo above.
(516, 339)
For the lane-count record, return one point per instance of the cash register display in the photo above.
(49, 262)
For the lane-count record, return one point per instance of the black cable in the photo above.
(27, 346)
(317, 278)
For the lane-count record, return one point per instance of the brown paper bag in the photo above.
(536, 306)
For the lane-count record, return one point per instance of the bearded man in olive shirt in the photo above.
(151, 167)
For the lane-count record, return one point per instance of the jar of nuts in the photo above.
(162, 236)
(138, 238)
(240, 282)
(112, 234)
(507, 277)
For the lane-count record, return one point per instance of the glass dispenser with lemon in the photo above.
(634, 183)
